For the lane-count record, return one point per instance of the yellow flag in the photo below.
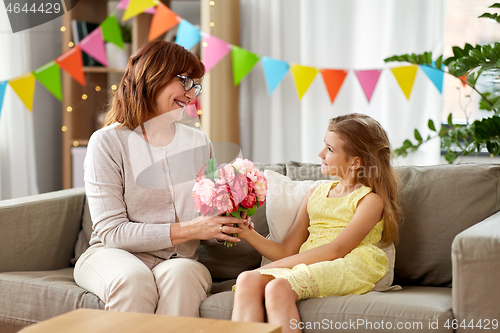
(303, 77)
(405, 76)
(135, 7)
(24, 86)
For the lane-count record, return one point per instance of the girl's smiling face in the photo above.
(334, 160)
(173, 96)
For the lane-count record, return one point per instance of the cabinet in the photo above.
(79, 112)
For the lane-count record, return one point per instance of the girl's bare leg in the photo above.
(280, 303)
(249, 297)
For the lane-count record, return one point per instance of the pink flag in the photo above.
(124, 3)
(368, 80)
(93, 45)
(214, 50)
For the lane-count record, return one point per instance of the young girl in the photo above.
(331, 248)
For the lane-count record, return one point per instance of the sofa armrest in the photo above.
(39, 232)
(476, 272)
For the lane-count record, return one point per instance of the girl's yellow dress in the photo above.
(355, 273)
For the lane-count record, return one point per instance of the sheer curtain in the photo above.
(337, 34)
(17, 151)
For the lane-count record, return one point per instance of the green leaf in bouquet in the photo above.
(211, 170)
(251, 211)
(236, 214)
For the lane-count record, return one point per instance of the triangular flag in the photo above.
(163, 20)
(274, 72)
(214, 50)
(124, 3)
(405, 75)
(187, 35)
(135, 7)
(49, 76)
(463, 80)
(3, 85)
(111, 31)
(24, 86)
(94, 46)
(303, 77)
(333, 78)
(243, 62)
(368, 80)
(72, 63)
(435, 75)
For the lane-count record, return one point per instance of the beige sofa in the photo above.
(447, 260)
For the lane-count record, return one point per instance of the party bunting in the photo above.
(94, 46)
(243, 62)
(49, 76)
(405, 75)
(3, 85)
(136, 7)
(303, 77)
(333, 78)
(214, 50)
(111, 31)
(71, 62)
(163, 20)
(24, 87)
(435, 75)
(274, 72)
(368, 80)
(187, 35)
(463, 79)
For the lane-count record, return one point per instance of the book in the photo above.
(80, 30)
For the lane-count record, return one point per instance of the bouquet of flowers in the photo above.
(229, 189)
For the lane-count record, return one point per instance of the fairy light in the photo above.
(212, 3)
(71, 44)
(69, 109)
(197, 124)
(84, 96)
(64, 128)
(97, 88)
(63, 28)
(212, 24)
(75, 144)
(205, 44)
(113, 87)
(200, 112)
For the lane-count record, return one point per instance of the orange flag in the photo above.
(333, 78)
(71, 61)
(164, 20)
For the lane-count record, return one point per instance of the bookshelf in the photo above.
(79, 116)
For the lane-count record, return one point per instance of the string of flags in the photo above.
(213, 51)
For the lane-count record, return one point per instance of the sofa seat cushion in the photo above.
(30, 297)
(412, 309)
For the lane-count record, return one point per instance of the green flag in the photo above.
(111, 31)
(243, 62)
(49, 76)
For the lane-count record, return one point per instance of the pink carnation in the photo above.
(239, 188)
(260, 187)
(201, 173)
(205, 189)
(200, 206)
(226, 174)
(249, 201)
(244, 166)
(222, 201)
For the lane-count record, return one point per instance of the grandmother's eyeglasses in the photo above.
(189, 84)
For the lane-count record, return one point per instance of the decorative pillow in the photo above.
(282, 204)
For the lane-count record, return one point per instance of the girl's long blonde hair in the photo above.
(365, 138)
(148, 70)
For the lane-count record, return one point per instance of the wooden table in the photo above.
(101, 321)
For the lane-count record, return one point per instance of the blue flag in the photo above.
(274, 71)
(3, 85)
(187, 35)
(435, 75)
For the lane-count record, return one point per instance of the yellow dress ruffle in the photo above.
(355, 273)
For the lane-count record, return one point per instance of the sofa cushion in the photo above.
(439, 202)
(30, 297)
(415, 308)
(39, 232)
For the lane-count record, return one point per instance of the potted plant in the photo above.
(471, 62)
